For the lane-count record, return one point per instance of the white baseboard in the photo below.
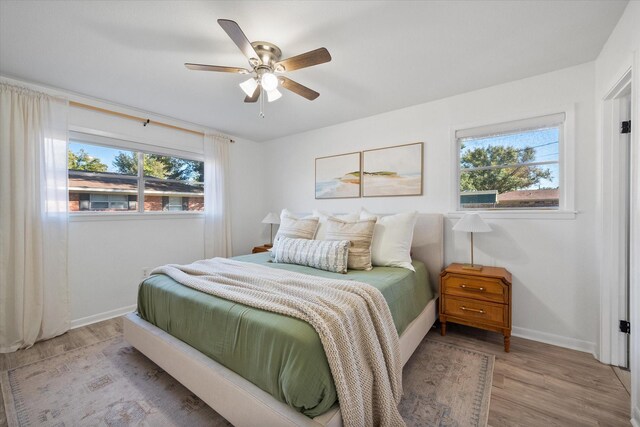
(84, 321)
(560, 341)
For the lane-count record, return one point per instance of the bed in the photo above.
(254, 367)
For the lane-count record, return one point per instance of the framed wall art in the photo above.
(338, 177)
(393, 171)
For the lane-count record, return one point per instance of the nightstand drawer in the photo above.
(479, 311)
(487, 289)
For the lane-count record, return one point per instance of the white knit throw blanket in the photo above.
(352, 319)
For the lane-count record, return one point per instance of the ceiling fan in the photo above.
(264, 59)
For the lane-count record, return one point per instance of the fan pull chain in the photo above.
(261, 115)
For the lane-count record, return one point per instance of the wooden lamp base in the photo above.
(472, 266)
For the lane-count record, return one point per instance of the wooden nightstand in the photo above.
(263, 248)
(481, 299)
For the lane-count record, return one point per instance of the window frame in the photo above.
(109, 140)
(566, 167)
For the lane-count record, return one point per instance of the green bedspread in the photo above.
(279, 354)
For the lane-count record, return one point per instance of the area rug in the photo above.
(447, 386)
(112, 384)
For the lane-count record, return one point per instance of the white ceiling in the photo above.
(386, 55)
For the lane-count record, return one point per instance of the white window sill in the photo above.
(518, 214)
(133, 216)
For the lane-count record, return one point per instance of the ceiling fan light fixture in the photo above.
(265, 60)
(249, 86)
(269, 81)
(273, 95)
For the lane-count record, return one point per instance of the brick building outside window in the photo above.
(109, 192)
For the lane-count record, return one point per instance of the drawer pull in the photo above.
(471, 288)
(463, 308)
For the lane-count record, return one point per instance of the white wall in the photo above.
(555, 272)
(621, 53)
(106, 260)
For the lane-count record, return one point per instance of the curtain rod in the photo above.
(145, 122)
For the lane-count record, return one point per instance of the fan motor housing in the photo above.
(269, 53)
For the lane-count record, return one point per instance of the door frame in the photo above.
(610, 307)
(634, 267)
(613, 290)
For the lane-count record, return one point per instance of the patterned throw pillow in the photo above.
(360, 234)
(295, 228)
(330, 255)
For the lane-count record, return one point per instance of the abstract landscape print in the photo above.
(338, 176)
(393, 171)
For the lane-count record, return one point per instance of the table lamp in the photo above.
(472, 223)
(271, 218)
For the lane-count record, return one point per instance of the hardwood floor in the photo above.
(625, 377)
(539, 384)
(534, 385)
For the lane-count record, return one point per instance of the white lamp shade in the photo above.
(249, 86)
(271, 218)
(472, 222)
(273, 95)
(269, 81)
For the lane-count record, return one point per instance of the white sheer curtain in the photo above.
(34, 299)
(217, 208)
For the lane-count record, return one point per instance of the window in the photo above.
(103, 202)
(513, 165)
(97, 182)
(173, 184)
(174, 204)
(106, 179)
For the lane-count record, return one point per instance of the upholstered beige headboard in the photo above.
(428, 245)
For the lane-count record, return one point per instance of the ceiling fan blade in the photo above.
(298, 88)
(203, 67)
(234, 31)
(314, 57)
(254, 97)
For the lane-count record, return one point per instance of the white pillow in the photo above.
(392, 237)
(324, 216)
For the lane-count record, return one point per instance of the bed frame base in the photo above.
(233, 397)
